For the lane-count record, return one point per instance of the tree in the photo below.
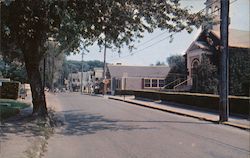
(158, 63)
(239, 71)
(14, 70)
(205, 77)
(26, 26)
(178, 70)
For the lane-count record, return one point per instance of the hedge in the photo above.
(9, 90)
(124, 92)
(237, 105)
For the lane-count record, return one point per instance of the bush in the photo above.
(237, 105)
(124, 92)
(9, 90)
(147, 95)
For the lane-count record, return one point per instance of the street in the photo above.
(96, 127)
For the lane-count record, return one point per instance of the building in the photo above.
(136, 77)
(208, 42)
(74, 81)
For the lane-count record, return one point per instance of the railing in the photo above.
(179, 79)
(180, 84)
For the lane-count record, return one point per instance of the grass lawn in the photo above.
(9, 107)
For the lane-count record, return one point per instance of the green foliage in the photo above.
(239, 71)
(76, 66)
(178, 70)
(9, 107)
(112, 23)
(124, 92)
(14, 103)
(158, 63)
(14, 70)
(238, 105)
(9, 90)
(205, 78)
(27, 25)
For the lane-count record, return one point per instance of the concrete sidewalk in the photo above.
(185, 110)
(21, 136)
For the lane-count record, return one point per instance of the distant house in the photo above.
(136, 77)
(97, 74)
(74, 80)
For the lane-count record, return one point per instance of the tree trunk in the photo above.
(32, 60)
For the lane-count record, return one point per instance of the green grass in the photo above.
(9, 107)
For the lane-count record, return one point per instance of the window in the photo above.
(154, 82)
(74, 80)
(195, 63)
(147, 83)
(216, 10)
(118, 84)
(161, 83)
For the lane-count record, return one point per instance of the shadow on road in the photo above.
(80, 123)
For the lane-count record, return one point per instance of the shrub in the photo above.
(9, 90)
(147, 95)
(124, 92)
(237, 105)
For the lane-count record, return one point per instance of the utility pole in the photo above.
(44, 71)
(82, 73)
(104, 70)
(224, 70)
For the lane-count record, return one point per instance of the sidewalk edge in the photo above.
(184, 114)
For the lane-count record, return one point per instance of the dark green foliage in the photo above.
(9, 90)
(158, 63)
(205, 78)
(13, 70)
(152, 95)
(178, 70)
(6, 112)
(9, 107)
(239, 71)
(76, 66)
(27, 25)
(238, 105)
(124, 92)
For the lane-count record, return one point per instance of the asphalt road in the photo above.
(96, 127)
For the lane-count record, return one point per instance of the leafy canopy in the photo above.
(113, 23)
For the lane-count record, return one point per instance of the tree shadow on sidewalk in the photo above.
(24, 125)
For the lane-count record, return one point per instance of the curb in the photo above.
(184, 114)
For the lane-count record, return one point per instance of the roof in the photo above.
(237, 38)
(120, 71)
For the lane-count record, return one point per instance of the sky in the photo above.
(156, 46)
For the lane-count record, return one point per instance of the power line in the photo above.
(169, 36)
(167, 30)
(220, 7)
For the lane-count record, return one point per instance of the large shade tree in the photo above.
(26, 26)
